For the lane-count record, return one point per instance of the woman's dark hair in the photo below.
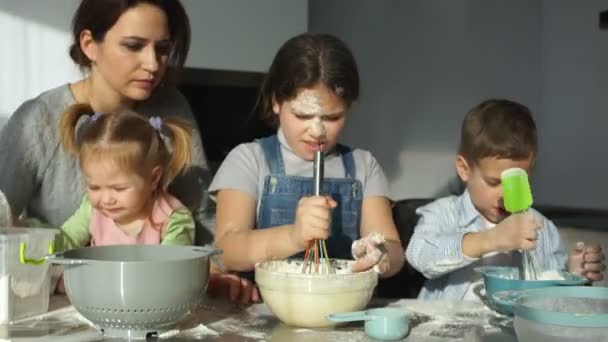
(98, 16)
(304, 61)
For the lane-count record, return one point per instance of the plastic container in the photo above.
(305, 300)
(24, 275)
(503, 278)
(558, 314)
(5, 212)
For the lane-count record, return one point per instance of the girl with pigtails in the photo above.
(127, 160)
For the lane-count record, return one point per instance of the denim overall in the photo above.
(281, 194)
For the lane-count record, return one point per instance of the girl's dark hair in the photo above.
(98, 16)
(304, 61)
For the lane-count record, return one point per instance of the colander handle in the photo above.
(208, 250)
(212, 253)
(58, 258)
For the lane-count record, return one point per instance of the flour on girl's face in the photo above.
(309, 105)
(313, 116)
(315, 106)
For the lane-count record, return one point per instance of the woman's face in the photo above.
(131, 60)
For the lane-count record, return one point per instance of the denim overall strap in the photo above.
(348, 161)
(281, 194)
(272, 153)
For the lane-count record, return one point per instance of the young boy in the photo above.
(458, 233)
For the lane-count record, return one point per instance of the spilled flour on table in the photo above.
(245, 326)
(464, 321)
(302, 335)
(198, 331)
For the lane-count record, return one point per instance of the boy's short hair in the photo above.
(498, 128)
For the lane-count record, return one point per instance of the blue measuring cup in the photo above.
(382, 324)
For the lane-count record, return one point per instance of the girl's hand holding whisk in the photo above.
(370, 251)
(313, 219)
(587, 261)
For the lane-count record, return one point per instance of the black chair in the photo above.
(408, 282)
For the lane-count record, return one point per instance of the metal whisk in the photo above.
(316, 258)
(527, 269)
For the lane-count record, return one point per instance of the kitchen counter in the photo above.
(218, 320)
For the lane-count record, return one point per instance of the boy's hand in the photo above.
(369, 252)
(233, 287)
(517, 232)
(587, 261)
(313, 218)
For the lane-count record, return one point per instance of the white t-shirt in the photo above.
(245, 169)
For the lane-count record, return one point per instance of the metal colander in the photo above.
(133, 291)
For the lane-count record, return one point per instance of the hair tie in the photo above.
(95, 116)
(156, 122)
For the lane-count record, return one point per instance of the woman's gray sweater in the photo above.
(37, 175)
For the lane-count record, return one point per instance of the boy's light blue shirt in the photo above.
(435, 247)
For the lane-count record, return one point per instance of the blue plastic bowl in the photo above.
(503, 278)
(558, 313)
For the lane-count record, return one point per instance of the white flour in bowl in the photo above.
(295, 266)
(544, 275)
(550, 275)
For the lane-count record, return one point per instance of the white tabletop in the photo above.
(221, 321)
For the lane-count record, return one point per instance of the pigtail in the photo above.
(67, 125)
(180, 156)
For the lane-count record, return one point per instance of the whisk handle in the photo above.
(318, 173)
